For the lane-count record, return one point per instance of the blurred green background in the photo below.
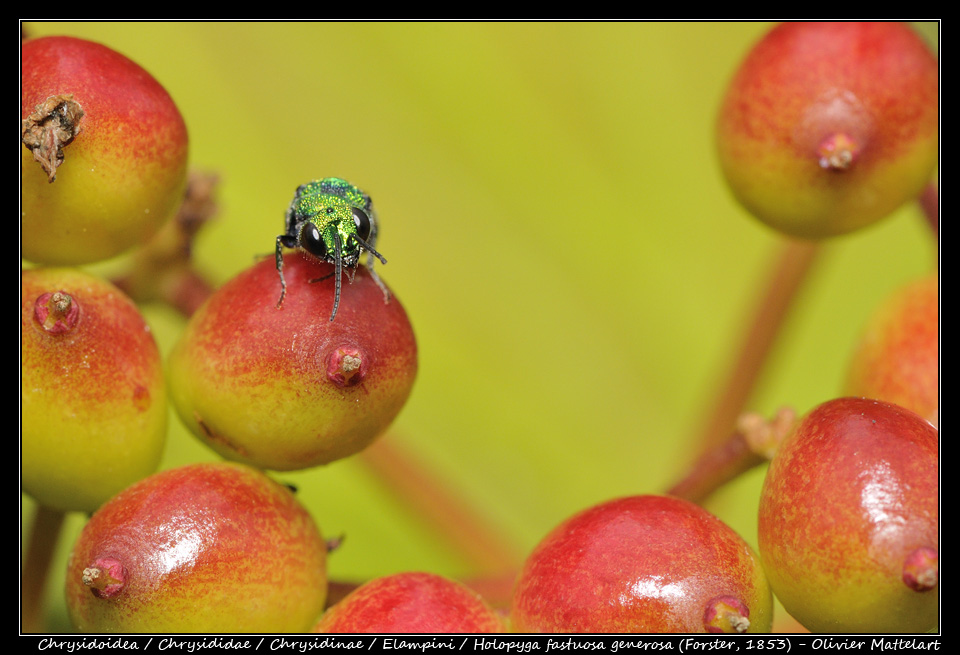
(557, 228)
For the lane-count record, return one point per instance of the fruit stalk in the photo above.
(435, 502)
(753, 442)
(930, 204)
(45, 533)
(786, 278)
(163, 268)
(715, 467)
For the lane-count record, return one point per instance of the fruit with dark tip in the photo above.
(287, 388)
(203, 548)
(104, 156)
(93, 398)
(848, 524)
(642, 564)
(410, 602)
(829, 127)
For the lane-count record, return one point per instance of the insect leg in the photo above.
(371, 253)
(289, 242)
(283, 283)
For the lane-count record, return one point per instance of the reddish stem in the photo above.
(788, 273)
(754, 442)
(337, 590)
(163, 268)
(715, 467)
(930, 203)
(44, 535)
(436, 502)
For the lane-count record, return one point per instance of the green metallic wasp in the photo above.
(334, 221)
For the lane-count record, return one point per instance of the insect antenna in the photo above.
(366, 246)
(338, 268)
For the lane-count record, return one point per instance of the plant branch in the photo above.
(436, 503)
(787, 275)
(930, 203)
(163, 268)
(715, 467)
(754, 442)
(44, 534)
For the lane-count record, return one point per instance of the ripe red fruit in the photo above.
(848, 522)
(642, 564)
(829, 127)
(94, 404)
(410, 602)
(898, 356)
(287, 388)
(203, 548)
(120, 144)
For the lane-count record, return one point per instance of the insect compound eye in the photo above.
(362, 221)
(312, 241)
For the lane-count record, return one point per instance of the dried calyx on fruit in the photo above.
(104, 156)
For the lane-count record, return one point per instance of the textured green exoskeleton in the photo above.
(334, 221)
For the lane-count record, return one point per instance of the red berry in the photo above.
(848, 523)
(94, 401)
(898, 356)
(113, 140)
(410, 602)
(202, 548)
(288, 388)
(829, 127)
(642, 564)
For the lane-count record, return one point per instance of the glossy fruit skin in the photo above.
(213, 547)
(94, 402)
(897, 358)
(124, 173)
(637, 564)
(847, 498)
(803, 84)
(412, 602)
(271, 387)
